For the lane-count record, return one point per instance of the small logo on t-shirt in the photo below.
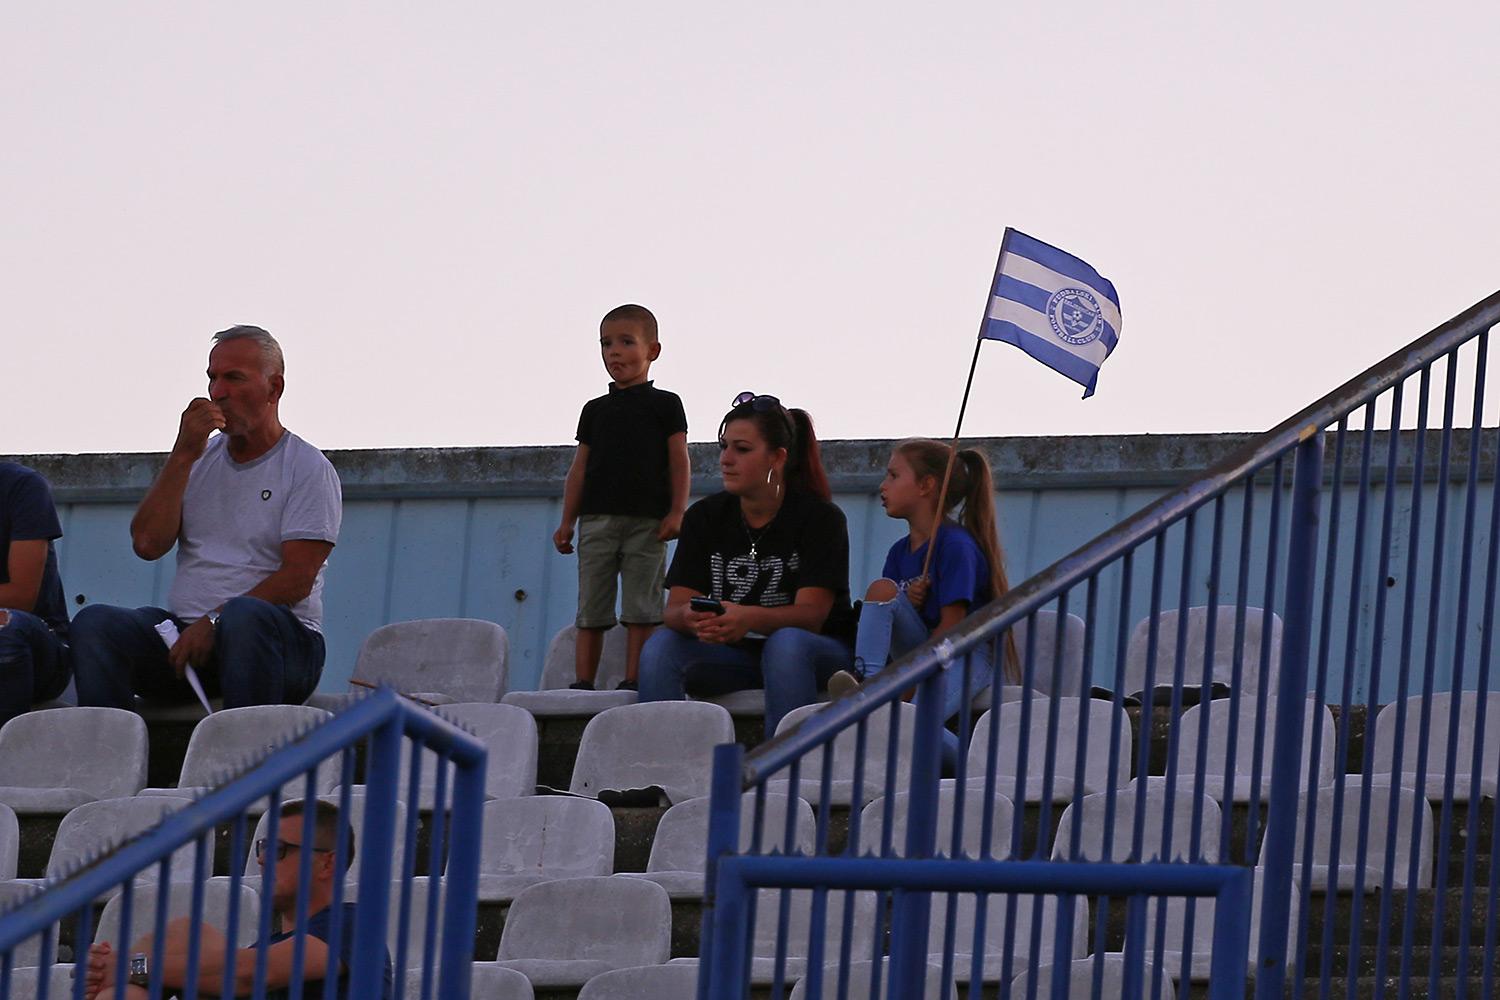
(265, 494)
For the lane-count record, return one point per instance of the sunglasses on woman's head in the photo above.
(760, 404)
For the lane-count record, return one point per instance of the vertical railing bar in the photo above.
(1325, 639)
(723, 959)
(851, 849)
(159, 924)
(1237, 665)
(912, 908)
(1482, 684)
(336, 929)
(1169, 790)
(987, 822)
(1403, 674)
(1200, 767)
(236, 878)
(409, 861)
(83, 932)
(1377, 650)
(1116, 731)
(784, 896)
(818, 920)
(127, 906)
(1148, 705)
(378, 849)
(304, 877)
(1424, 724)
(436, 838)
(1291, 702)
(268, 892)
(1346, 695)
(201, 871)
(1022, 786)
(1262, 687)
(1066, 904)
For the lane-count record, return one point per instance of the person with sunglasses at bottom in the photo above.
(213, 952)
(758, 590)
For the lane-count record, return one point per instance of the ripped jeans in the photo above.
(34, 663)
(890, 629)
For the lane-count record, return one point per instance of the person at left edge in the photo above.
(33, 611)
(254, 512)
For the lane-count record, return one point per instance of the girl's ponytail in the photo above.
(975, 489)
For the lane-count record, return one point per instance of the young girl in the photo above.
(904, 609)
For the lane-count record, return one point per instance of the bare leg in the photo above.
(882, 590)
(586, 652)
(635, 641)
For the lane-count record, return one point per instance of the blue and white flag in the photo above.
(1054, 307)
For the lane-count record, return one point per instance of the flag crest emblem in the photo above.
(1074, 315)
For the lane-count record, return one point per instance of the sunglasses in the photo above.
(760, 404)
(282, 847)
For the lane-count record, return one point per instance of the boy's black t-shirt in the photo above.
(805, 545)
(28, 514)
(626, 431)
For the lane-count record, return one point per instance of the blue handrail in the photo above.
(388, 721)
(1293, 553)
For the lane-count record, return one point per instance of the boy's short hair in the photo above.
(632, 313)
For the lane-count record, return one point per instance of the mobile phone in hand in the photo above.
(706, 604)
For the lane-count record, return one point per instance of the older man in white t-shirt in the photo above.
(253, 513)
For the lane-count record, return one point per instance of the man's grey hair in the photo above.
(270, 351)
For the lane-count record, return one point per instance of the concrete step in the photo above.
(1418, 924)
(1421, 962)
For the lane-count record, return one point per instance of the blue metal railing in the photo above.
(383, 726)
(1301, 572)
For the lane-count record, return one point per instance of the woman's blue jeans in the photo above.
(889, 629)
(792, 664)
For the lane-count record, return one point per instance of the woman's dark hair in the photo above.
(972, 487)
(789, 429)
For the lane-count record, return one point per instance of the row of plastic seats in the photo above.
(55, 759)
(1220, 722)
(1059, 668)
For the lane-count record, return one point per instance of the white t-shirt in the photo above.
(235, 517)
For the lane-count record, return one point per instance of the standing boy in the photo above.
(626, 490)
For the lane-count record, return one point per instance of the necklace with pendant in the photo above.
(755, 539)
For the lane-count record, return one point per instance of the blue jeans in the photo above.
(889, 629)
(34, 663)
(262, 656)
(792, 664)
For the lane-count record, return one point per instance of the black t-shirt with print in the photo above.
(805, 545)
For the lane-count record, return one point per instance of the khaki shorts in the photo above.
(611, 546)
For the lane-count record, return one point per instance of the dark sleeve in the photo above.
(824, 548)
(585, 423)
(32, 515)
(673, 418)
(694, 544)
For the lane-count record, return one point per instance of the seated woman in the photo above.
(773, 550)
(904, 608)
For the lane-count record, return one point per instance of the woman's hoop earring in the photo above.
(768, 476)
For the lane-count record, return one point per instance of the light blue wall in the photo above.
(468, 533)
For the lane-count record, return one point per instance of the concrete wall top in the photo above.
(1018, 462)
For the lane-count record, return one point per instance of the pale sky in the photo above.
(432, 205)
